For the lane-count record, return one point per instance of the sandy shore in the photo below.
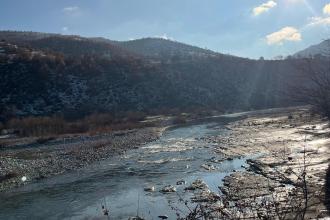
(292, 146)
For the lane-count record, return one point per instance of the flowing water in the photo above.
(118, 183)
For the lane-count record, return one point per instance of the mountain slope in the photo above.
(322, 49)
(58, 74)
(163, 48)
(68, 45)
(22, 36)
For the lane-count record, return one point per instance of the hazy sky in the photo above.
(249, 28)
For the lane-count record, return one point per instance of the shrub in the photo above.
(43, 126)
(38, 126)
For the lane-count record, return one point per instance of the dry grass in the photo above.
(45, 126)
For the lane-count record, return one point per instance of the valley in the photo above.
(92, 128)
(72, 75)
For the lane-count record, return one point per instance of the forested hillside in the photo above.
(43, 74)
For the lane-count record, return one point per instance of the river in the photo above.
(118, 183)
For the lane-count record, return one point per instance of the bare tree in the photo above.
(327, 189)
(312, 86)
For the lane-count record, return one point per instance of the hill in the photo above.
(68, 45)
(76, 76)
(322, 49)
(163, 48)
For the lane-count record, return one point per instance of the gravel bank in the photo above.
(24, 163)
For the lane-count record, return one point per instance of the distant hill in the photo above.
(322, 49)
(20, 36)
(72, 45)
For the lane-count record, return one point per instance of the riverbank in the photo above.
(26, 160)
(294, 156)
(252, 157)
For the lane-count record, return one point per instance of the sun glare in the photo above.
(305, 2)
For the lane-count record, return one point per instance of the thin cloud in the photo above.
(320, 20)
(264, 8)
(71, 9)
(285, 34)
(315, 21)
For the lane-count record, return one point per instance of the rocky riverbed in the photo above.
(24, 160)
(207, 165)
(293, 149)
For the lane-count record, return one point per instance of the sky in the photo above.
(247, 28)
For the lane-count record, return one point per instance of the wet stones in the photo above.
(246, 185)
(208, 167)
(197, 184)
(168, 189)
(269, 171)
(255, 166)
(202, 193)
(206, 196)
(215, 160)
